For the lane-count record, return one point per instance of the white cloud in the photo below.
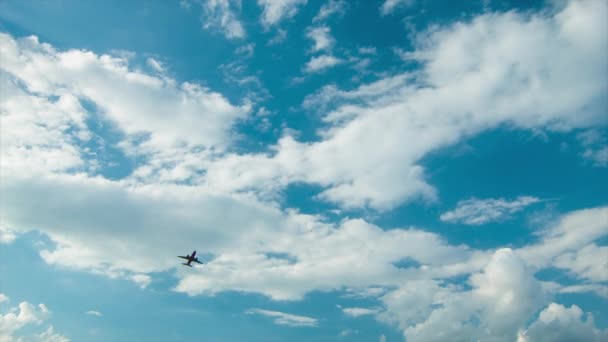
(157, 107)
(330, 8)
(356, 312)
(3, 298)
(589, 262)
(143, 280)
(382, 338)
(497, 70)
(324, 257)
(595, 146)
(94, 313)
(557, 323)
(600, 290)
(598, 156)
(24, 315)
(321, 63)
(50, 336)
(390, 6)
(246, 50)
(569, 233)
(6, 235)
(321, 37)
(220, 14)
(282, 318)
(156, 65)
(502, 298)
(275, 11)
(481, 211)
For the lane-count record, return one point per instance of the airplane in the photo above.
(190, 259)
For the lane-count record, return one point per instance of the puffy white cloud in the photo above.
(282, 318)
(3, 298)
(330, 8)
(499, 69)
(501, 299)
(152, 108)
(505, 295)
(26, 315)
(220, 14)
(274, 11)
(323, 257)
(321, 37)
(97, 225)
(557, 323)
(321, 63)
(481, 211)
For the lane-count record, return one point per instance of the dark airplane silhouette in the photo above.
(190, 259)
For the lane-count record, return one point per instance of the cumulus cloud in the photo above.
(153, 111)
(501, 299)
(282, 318)
(220, 14)
(321, 37)
(496, 70)
(27, 315)
(481, 211)
(557, 323)
(275, 11)
(97, 224)
(321, 63)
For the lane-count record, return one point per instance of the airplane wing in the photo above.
(183, 257)
(196, 260)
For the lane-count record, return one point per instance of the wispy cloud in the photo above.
(321, 63)
(390, 6)
(481, 211)
(282, 318)
(221, 15)
(94, 313)
(275, 11)
(356, 312)
(330, 8)
(595, 146)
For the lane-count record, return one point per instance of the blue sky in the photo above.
(348, 170)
